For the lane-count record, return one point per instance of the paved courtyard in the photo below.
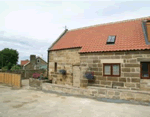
(30, 103)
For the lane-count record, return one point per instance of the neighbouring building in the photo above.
(23, 62)
(117, 54)
(35, 63)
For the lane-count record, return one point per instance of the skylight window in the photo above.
(111, 39)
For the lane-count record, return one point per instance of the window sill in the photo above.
(144, 78)
(112, 75)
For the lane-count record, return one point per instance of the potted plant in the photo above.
(36, 75)
(62, 71)
(89, 75)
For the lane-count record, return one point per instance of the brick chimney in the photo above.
(33, 59)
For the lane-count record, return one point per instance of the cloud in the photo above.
(126, 6)
(25, 48)
(31, 27)
(15, 40)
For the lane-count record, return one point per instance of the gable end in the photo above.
(57, 39)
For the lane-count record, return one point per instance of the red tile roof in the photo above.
(129, 36)
(23, 62)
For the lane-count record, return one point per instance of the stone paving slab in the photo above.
(33, 103)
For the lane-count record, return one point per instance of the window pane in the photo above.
(115, 69)
(145, 70)
(112, 39)
(109, 39)
(107, 70)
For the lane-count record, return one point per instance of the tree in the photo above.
(8, 57)
(9, 65)
(1, 60)
(16, 67)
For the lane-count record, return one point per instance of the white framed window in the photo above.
(111, 69)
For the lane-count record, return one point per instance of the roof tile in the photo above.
(23, 62)
(129, 36)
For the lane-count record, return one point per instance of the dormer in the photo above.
(146, 30)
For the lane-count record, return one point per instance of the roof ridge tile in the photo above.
(122, 21)
(129, 36)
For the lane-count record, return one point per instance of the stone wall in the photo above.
(35, 83)
(130, 68)
(35, 64)
(29, 66)
(65, 59)
(100, 92)
(129, 61)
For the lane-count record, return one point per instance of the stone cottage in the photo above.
(23, 62)
(117, 55)
(35, 63)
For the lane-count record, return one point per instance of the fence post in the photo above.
(20, 81)
(4, 77)
(0, 77)
(12, 79)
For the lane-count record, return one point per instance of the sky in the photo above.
(30, 27)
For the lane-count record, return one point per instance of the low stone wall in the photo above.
(98, 92)
(141, 96)
(36, 83)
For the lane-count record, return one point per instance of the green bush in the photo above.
(15, 67)
(5, 68)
